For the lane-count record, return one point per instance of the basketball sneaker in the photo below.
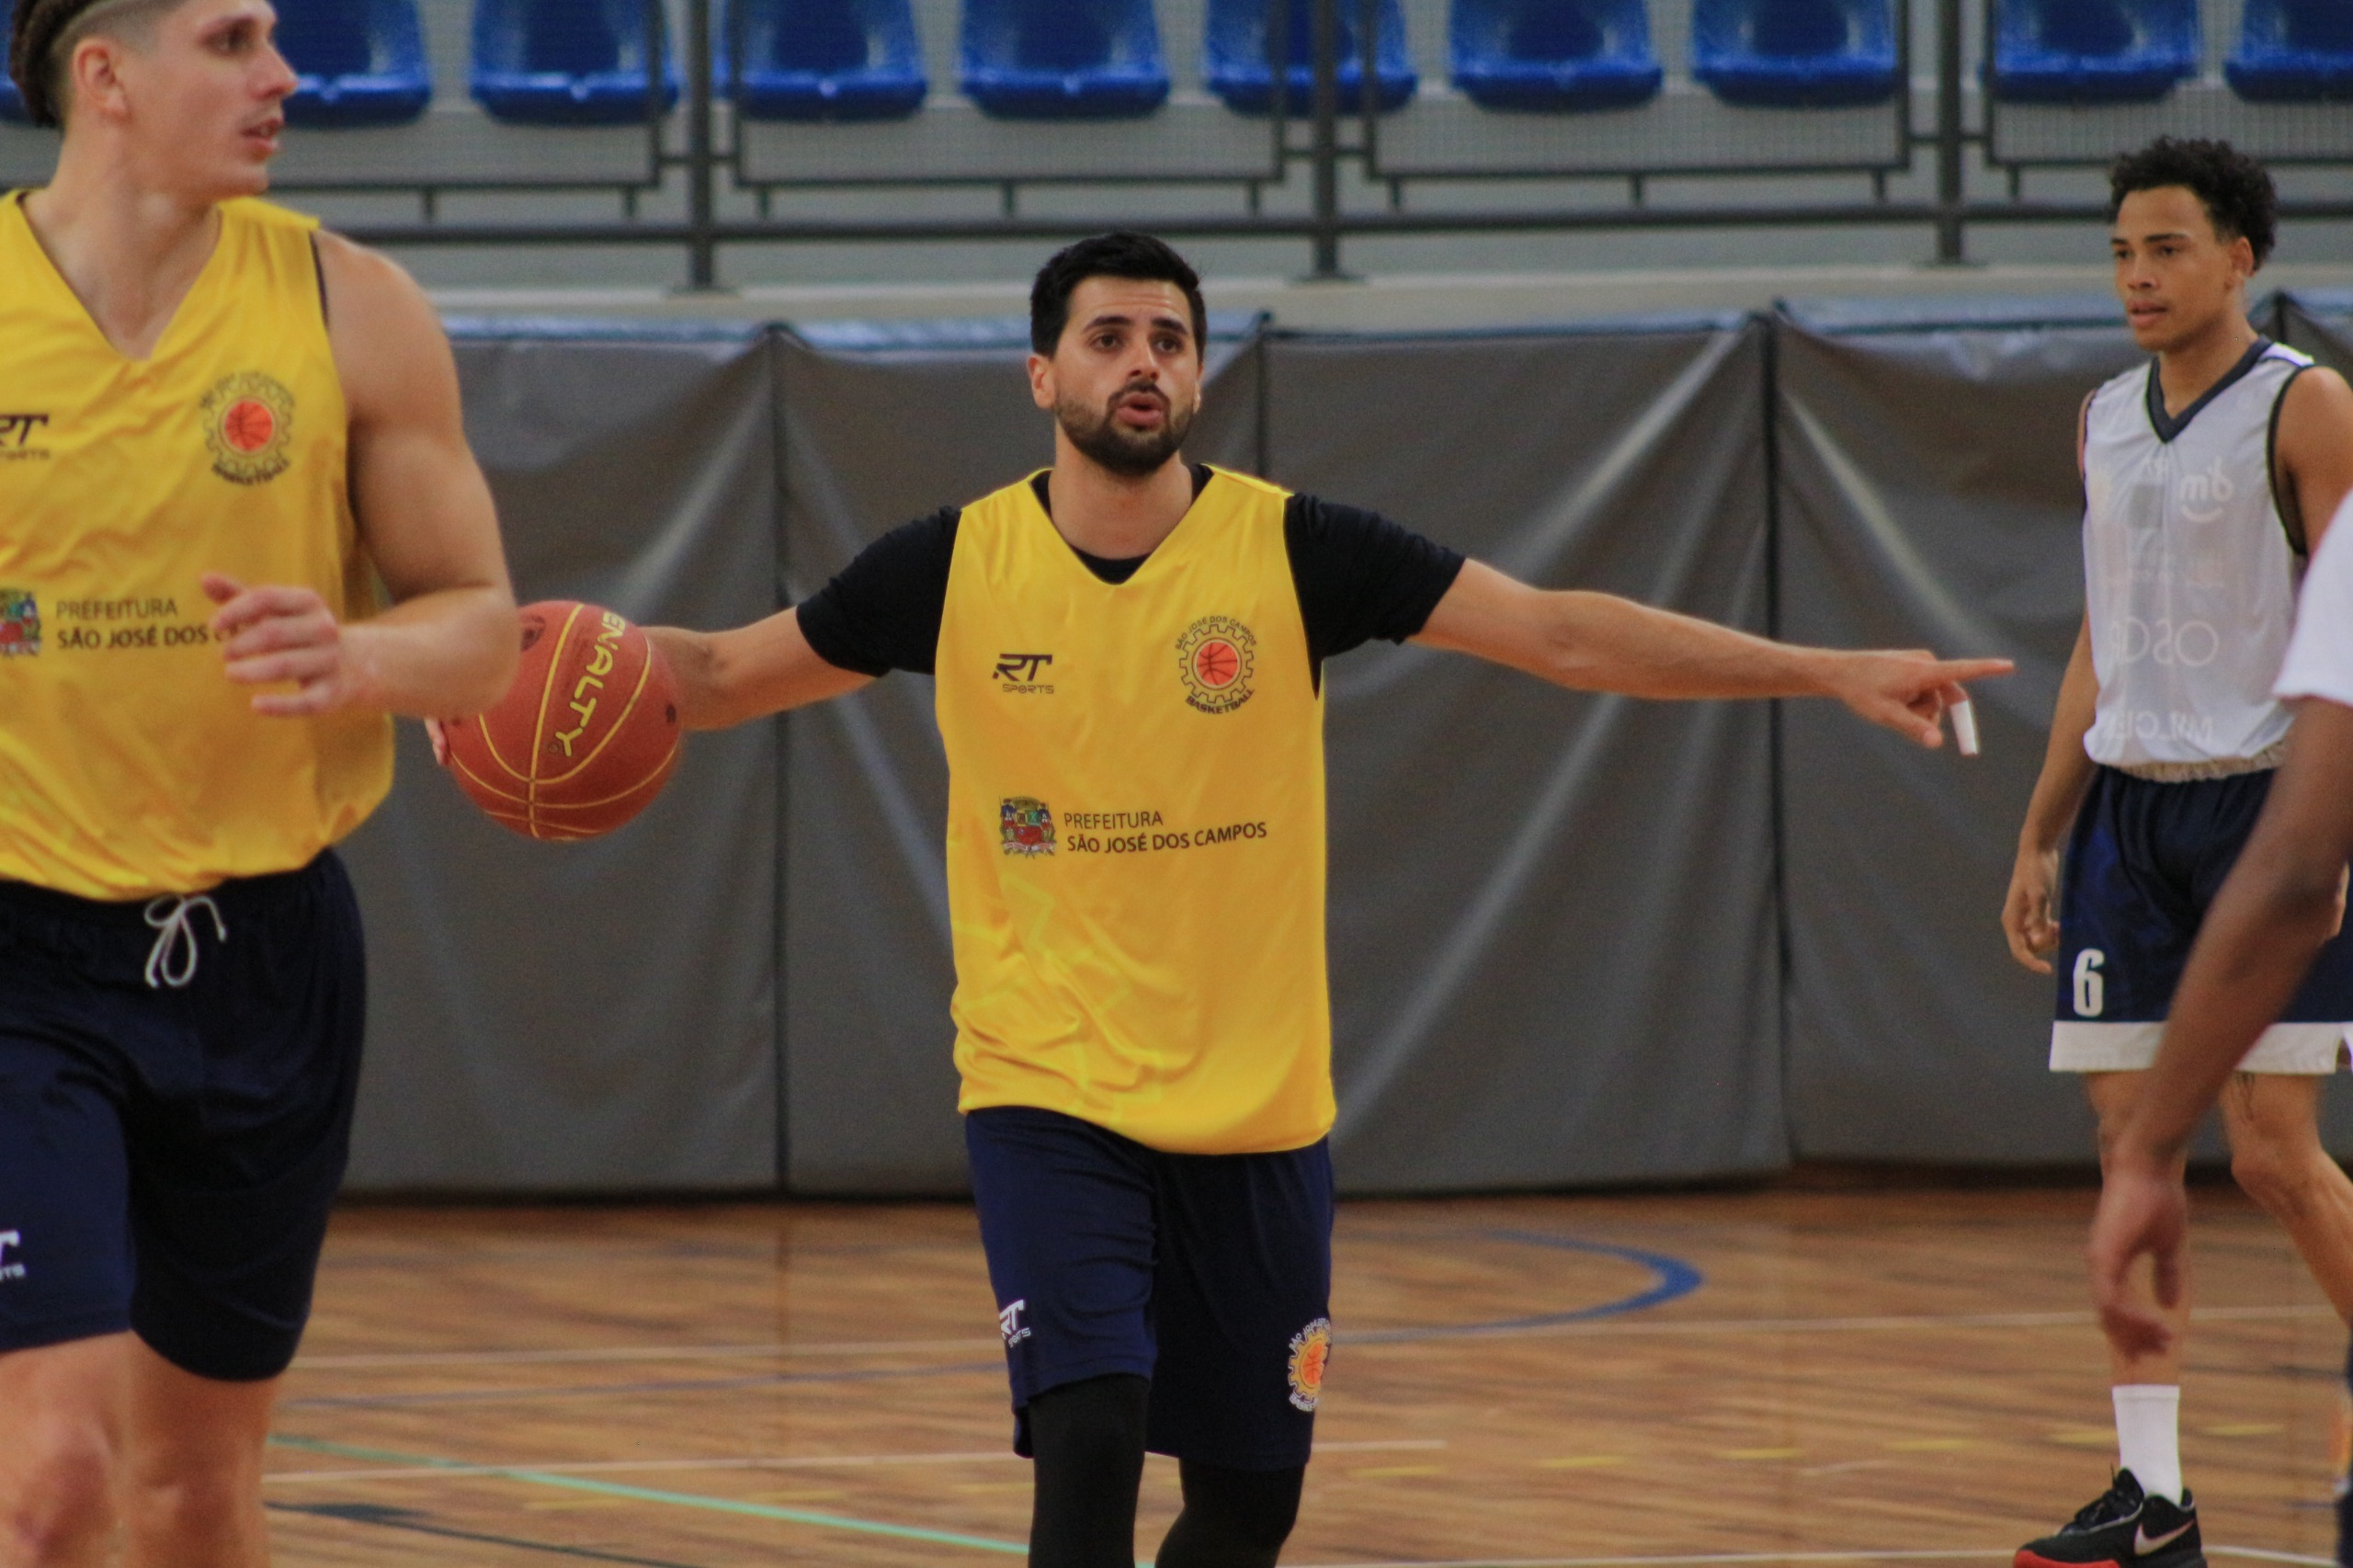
(2123, 1526)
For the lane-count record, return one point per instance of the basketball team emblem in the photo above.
(1311, 1351)
(1215, 656)
(20, 623)
(1027, 826)
(249, 426)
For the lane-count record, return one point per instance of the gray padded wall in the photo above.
(1930, 496)
(1553, 946)
(602, 1015)
(1556, 955)
(873, 437)
(2321, 323)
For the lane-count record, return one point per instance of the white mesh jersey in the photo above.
(2189, 577)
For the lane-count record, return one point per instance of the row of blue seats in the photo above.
(584, 61)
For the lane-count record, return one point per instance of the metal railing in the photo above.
(703, 178)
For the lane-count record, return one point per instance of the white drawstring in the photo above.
(176, 938)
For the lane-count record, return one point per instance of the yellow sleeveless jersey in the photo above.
(1135, 833)
(130, 766)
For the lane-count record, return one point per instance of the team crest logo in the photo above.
(249, 424)
(20, 623)
(1215, 657)
(1028, 826)
(1311, 1351)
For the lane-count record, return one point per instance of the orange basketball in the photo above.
(585, 738)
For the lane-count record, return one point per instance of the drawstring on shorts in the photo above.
(172, 960)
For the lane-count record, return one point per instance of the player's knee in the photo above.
(2276, 1173)
(58, 1502)
(1233, 1518)
(201, 1515)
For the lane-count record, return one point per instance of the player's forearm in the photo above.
(447, 653)
(2067, 768)
(729, 677)
(1601, 642)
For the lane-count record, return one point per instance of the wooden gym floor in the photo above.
(1776, 1376)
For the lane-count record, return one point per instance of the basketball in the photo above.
(585, 738)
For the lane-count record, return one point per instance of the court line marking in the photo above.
(1362, 1336)
(1770, 1557)
(636, 1353)
(805, 1461)
(606, 1391)
(406, 1519)
(1007, 1547)
(1674, 1279)
(683, 1500)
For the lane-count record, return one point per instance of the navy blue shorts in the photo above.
(168, 1153)
(1209, 1274)
(2145, 862)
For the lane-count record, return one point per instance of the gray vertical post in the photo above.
(702, 248)
(1951, 243)
(1327, 138)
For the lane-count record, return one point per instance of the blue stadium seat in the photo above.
(822, 59)
(360, 62)
(565, 61)
(12, 104)
(1063, 58)
(1796, 53)
(2293, 52)
(1554, 54)
(1235, 57)
(2091, 51)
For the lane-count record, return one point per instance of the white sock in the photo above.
(2148, 1436)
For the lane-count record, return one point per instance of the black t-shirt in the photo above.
(1359, 577)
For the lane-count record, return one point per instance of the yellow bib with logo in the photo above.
(1135, 828)
(130, 766)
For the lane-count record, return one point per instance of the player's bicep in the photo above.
(1492, 617)
(2315, 442)
(423, 508)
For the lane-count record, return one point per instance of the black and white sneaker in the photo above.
(2122, 1527)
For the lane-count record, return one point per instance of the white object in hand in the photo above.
(1964, 727)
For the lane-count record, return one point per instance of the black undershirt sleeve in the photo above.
(1360, 576)
(882, 612)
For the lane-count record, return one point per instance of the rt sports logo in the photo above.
(11, 1241)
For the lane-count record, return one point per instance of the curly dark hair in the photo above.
(1118, 255)
(2235, 190)
(35, 30)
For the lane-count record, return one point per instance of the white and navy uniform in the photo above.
(2190, 578)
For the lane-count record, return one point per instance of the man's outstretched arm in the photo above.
(1599, 642)
(2285, 897)
(726, 677)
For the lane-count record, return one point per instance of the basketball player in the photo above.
(2208, 475)
(1129, 651)
(2282, 905)
(214, 421)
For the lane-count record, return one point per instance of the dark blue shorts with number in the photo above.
(169, 1154)
(2142, 867)
(1209, 1274)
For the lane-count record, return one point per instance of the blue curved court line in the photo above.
(1672, 1279)
(656, 1495)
